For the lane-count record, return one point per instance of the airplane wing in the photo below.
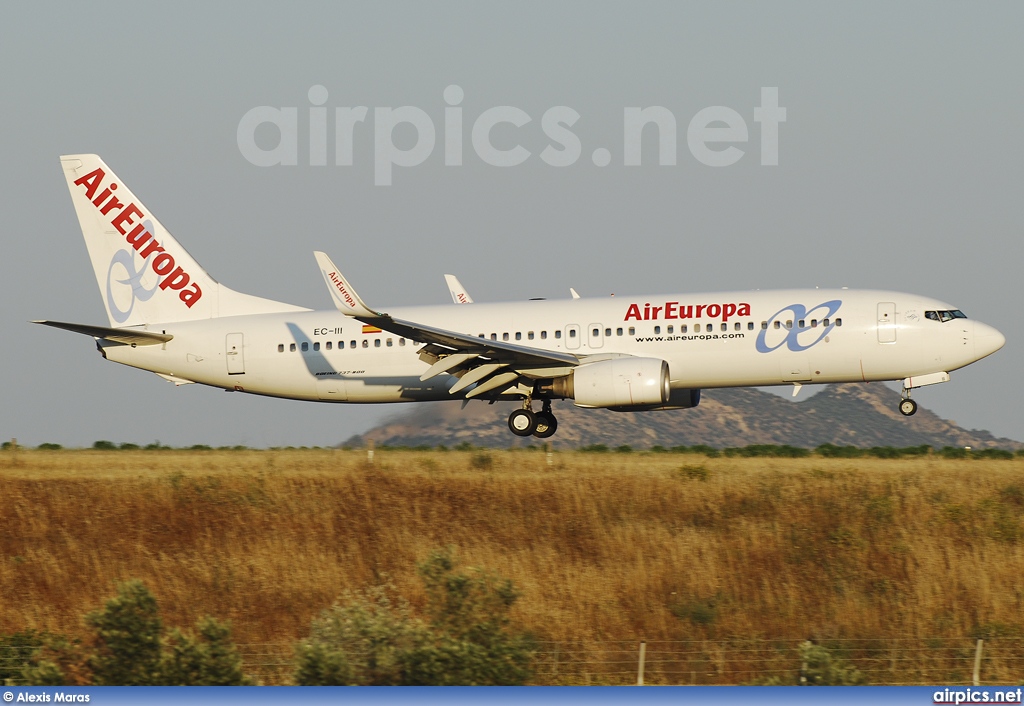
(493, 365)
(117, 335)
(458, 292)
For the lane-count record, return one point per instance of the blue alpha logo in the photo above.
(126, 259)
(797, 327)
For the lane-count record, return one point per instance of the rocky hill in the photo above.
(858, 415)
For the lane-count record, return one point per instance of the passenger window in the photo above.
(305, 346)
(504, 336)
(839, 322)
(750, 325)
(789, 324)
(558, 334)
(682, 328)
(291, 347)
(519, 335)
(657, 329)
(608, 331)
(736, 326)
(366, 344)
(618, 332)
(596, 332)
(632, 331)
(376, 343)
(764, 324)
(494, 337)
(352, 344)
(341, 345)
(778, 324)
(543, 335)
(696, 328)
(390, 343)
(725, 327)
(280, 348)
(814, 323)
(671, 328)
(401, 341)
(529, 335)
(329, 345)
(316, 346)
(572, 333)
(825, 323)
(800, 324)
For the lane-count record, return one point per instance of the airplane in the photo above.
(167, 315)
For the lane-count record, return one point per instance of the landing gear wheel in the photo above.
(522, 422)
(908, 407)
(546, 425)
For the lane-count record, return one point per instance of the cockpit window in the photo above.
(947, 315)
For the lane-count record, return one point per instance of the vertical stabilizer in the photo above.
(144, 274)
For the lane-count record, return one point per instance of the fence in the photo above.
(892, 661)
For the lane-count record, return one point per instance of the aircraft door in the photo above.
(886, 322)
(235, 346)
(596, 335)
(572, 336)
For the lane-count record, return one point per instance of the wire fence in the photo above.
(891, 661)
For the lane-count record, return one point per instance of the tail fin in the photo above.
(144, 275)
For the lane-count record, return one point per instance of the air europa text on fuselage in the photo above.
(173, 276)
(675, 310)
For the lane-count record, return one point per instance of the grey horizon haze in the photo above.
(900, 165)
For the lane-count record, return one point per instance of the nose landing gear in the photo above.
(908, 407)
(526, 422)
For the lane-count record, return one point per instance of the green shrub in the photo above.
(16, 649)
(833, 451)
(104, 445)
(481, 460)
(953, 452)
(128, 632)
(49, 447)
(694, 473)
(594, 449)
(370, 639)
(624, 449)
(210, 660)
(131, 650)
(1001, 454)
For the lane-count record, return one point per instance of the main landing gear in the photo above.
(526, 422)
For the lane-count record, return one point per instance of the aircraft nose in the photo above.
(987, 340)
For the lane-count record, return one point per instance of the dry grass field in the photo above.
(603, 547)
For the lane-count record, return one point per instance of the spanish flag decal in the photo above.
(371, 329)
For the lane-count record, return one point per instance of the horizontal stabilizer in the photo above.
(117, 335)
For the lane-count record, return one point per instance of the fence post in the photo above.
(977, 663)
(547, 451)
(640, 666)
(369, 451)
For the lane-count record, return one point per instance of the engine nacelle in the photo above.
(619, 382)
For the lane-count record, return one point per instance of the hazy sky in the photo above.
(900, 166)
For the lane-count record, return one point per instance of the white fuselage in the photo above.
(722, 339)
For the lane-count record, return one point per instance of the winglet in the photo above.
(345, 298)
(573, 293)
(459, 293)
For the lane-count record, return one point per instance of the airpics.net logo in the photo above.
(717, 136)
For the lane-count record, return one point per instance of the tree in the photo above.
(362, 641)
(371, 640)
(210, 660)
(128, 632)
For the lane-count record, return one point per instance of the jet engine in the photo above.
(619, 382)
